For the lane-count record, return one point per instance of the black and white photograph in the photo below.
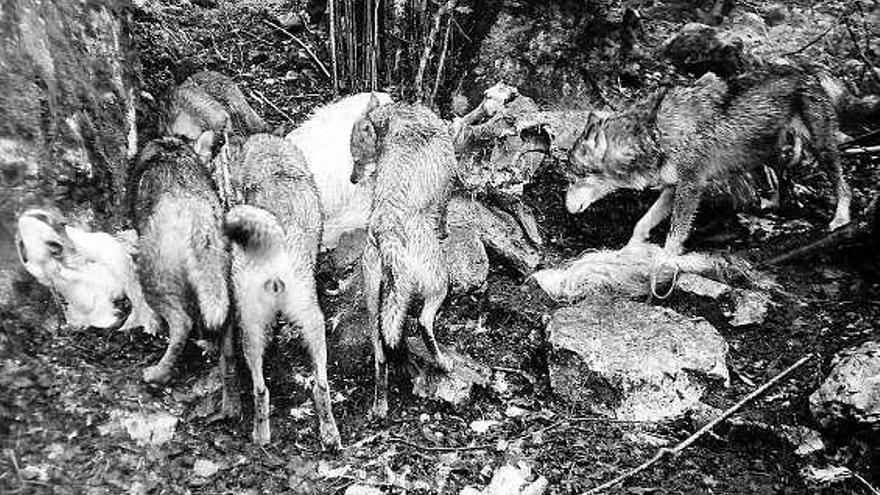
(431, 247)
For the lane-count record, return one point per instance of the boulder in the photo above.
(699, 48)
(453, 387)
(851, 393)
(498, 230)
(633, 361)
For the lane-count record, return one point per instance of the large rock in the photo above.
(454, 387)
(851, 393)
(67, 111)
(633, 361)
(498, 230)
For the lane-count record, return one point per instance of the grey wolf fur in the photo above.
(685, 139)
(206, 106)
(91, 274)
(408, 150)
(275, 238)
(181, 249)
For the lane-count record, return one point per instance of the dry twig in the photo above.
(303, 45)
(432, 448)
(259, 96)
(429, 45)
(664, 452)
(811, 43)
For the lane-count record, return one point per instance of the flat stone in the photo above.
(633, 361)
(851, 393)
(749, 307)
(454, 387)
(702, 286)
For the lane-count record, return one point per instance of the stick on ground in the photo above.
(664, 452)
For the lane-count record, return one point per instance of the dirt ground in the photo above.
(66, 392)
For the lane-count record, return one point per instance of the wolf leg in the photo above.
(207, 269)
(253, 324)
(434, 291)
(371, 265)
(231, 401)
(656, 214)
(302, 306)
(179, 325)
(684, 208)
(821, 122)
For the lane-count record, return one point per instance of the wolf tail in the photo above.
(207, 271)
(253, 228)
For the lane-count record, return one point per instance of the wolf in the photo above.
(181, 249)
(275, 236)
(408, 152)
(684, 140)
(205, 109)
(91, 274)
(324, 140)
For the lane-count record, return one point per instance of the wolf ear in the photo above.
(373, 103)
(204, 146)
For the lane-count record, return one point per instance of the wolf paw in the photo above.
(379, 410)
(260, 435)
(157, 374)
(330, 437)
(444, 362)
(838, 222)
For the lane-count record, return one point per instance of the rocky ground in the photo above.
(76, 418)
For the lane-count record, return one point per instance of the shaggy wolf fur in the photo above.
(686, 139)
(275, 237)
(181, 249)
(409, 151)
(206, 106)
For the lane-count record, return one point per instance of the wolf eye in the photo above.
(22, 252)
(55, 248)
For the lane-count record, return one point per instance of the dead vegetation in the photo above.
(75, 417)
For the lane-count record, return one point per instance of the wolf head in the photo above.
(364, 144)
(588, 162)
(91, 272)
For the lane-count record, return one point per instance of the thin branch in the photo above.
(301, 44)
(432, 448)
(861, 149)
(429, 45)
(442, 61)
(832, 239)
(859, 50)
(333, 62)
(865, 482)
(816, 40)
(259, 96)
(664, 452)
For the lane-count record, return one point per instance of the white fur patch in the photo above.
(324, 140)
(90, 272)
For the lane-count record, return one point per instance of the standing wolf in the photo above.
(409, 151)
(275, 238)
(686, 139)
(181, 250)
